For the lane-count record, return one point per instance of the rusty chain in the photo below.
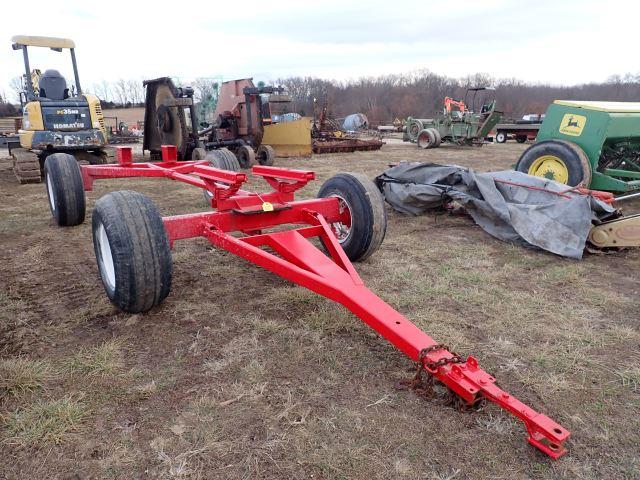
(433, 366)
(424, 386)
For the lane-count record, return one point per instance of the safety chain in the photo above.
(424, 386)
(433, 366)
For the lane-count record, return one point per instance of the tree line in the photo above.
(384, 98)
(421, 94)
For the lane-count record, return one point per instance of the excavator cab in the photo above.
(53, 86)
(55, 118)
(480, 100)
(483, 107)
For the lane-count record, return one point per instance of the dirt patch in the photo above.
(239, 374)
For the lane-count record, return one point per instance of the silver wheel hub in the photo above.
(51, 194)
(107, 270)
(341, 231)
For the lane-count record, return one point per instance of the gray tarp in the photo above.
(354, 122)
(511, 213)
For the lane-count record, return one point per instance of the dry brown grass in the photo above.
(45, 422)
(101, 360)
(20, 376)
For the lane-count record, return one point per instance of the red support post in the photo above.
(124, 156)
(169, 153)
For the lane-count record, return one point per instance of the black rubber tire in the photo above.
(437, 136)
(65, 191)
(246, 156)
(230, 160)
(501, 137)
(266, 155)
(223, 159)
(413, 129)
(572, 155)
(521, 139)
(426, 138)
(198, 153)
(368, 214)
(137, 244)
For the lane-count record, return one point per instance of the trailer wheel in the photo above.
(65, 190)
(436, 133)
(501, 137)
(426, 138)
(266, 155)
(521, 139)
(132, 251)
(368, 222)
(246, 156)
(198, 153)
(223, 159)
(558, 160)
(415, 127)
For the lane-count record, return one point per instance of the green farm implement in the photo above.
(591, 144)
(465, 122)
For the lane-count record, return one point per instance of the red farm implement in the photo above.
(132, 245)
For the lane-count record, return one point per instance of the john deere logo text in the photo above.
(572, 124)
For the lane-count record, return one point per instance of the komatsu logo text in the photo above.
(68, 125)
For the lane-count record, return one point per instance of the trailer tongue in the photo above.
(132, 246)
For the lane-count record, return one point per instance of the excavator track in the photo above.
(26, 166)
(91, 158)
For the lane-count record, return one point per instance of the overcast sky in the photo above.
(557, 41)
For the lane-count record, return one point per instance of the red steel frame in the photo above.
(300, 262)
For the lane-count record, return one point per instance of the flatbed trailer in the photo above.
(520, 131)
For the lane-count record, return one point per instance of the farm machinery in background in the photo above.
(521, 130)
(254, 124)
(237, 130)
(331, 136)
(55, 118)
(595, 145)
(465, 122)
(120, 132)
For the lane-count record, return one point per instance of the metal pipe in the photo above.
(247, 99)
(225, 143)
(194, 123)
(627, 197)
(75, 71)
(31, 94)
(209, 129)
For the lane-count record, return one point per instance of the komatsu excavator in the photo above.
(55, 118)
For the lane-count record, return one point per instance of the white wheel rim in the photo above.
(51, 194)
(342, 231)
(107, 269)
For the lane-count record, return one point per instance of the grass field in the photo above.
(239, 374)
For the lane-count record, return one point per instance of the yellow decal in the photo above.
(267, 207)
(572, 124)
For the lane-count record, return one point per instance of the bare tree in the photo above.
(205, 89)
(136, 91)
(121, 91)
(17, 86)
(102, 90)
